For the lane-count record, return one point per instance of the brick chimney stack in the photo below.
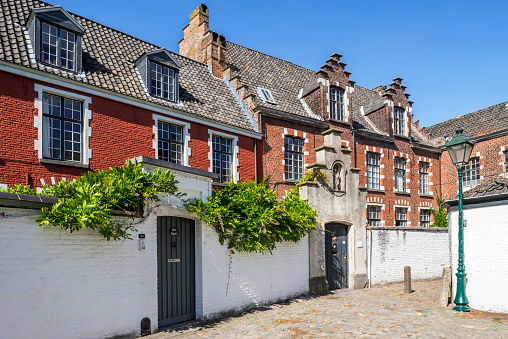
(202, 45)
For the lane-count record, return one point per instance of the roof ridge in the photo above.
(463, 115)
(271, 56)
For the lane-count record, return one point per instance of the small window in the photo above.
(374, 215)
(424, 178)
(266, 95)
(506, 164)
(398, 120)
(337, 104)
(222, 153)
(400, 174)
(472, 173)
(425, 218)
(400, 216)
(162, 81)
(61, 128)
(170, 142)
(373, 171)
(293, 158)
(58, 46)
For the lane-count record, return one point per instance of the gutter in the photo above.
(289, 117)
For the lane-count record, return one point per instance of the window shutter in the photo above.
(37, 41)
(79, 54)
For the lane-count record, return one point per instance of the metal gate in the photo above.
(336, 256)
(176, 270)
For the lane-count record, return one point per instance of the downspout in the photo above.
(370, 256)
(354, 148)
(256, 161)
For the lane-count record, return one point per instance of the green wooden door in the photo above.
(176, 270)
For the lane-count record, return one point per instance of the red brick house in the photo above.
(293, 106)
(488, 129)
(77, 96)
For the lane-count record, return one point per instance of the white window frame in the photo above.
(379, 168)
(427, 175)
(381, 208)
(505, 154)
(234, 144)
(266, 95)
(471, 183)
(404, 172)
(337, 104)
(420, 209)
(408, 209)
(86, 132)
(405, 131)
(185, 136)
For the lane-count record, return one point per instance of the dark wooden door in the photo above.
(336, 256)
(176, 270)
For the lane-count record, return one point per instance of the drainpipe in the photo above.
(354, 148)
(256, 160)
(369, 266)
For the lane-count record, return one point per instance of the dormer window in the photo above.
(266, 95)
(398, 120)
(158, 71)
(56, 36)
(337, 104)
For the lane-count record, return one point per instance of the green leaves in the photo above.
(249, 217)
(88, 201)
(440, 215)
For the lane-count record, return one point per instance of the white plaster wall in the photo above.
(425, 251)
(256, 278)
(54, 284)
(485, 255)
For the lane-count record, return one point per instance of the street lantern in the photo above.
(460, 149)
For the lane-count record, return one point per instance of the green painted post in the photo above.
(461, 302)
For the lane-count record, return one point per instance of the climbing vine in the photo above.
(88, 201)
(249, 218)
(440, 215)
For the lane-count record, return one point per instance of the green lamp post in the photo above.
(460, 149)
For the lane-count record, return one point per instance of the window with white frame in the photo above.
(57, 46)
(266, 95)
(162, 81)
(337, 104)
(170, 142)
(373, 170)
(398, 120)
(506, 164)
(374, 215)
(400, 174)
(423, 172)
(293, 158)
(425, 217)
(401, 216)
(472, 173)
(222, 158)
(62, 126)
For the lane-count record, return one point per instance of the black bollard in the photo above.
(407, 280)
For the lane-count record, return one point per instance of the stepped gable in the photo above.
(108, 63)
(483, 121)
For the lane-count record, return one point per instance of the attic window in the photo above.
(57, 37)
(266, 95)
(159, 72)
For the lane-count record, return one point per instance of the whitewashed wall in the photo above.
(54, 284)
(256, 278)
(425, 250)
(486, 256)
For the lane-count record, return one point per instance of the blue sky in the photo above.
(451, 54)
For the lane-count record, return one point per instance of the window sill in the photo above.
(375, 190)
(401, 136)
(402, 192)
(339, 121)
(426, 195)
(291, 182)
(63, 163)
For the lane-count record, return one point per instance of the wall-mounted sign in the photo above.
(174, 231)
(173, 260)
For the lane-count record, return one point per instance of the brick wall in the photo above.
(119, 131)
(426, 251)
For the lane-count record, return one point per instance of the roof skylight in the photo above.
(266, 95)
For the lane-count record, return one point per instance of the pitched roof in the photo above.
(108, 63)
(477, 123)
(492, 187)
(362, 97)
(283, 78)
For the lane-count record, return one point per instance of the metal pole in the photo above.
(407, 280)
(461, 301)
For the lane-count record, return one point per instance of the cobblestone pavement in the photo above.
(379, 312)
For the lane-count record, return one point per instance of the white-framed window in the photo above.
(400, 174)
(337, 111)
(401, 216)
(506, 164)
(423, 173)
(398, 121)
(373, 170)
(223, 156)
(374, 215)
(425, 217)
(58, 46)
(162, 81)
(293, 157)
(266, 95)
(63, 126)
(171, 140)
(472, 173)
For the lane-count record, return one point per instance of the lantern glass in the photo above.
(459, 148)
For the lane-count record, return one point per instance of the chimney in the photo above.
(202, 45)
(194, 33)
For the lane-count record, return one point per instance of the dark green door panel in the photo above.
(176, 270)
(336, 256)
